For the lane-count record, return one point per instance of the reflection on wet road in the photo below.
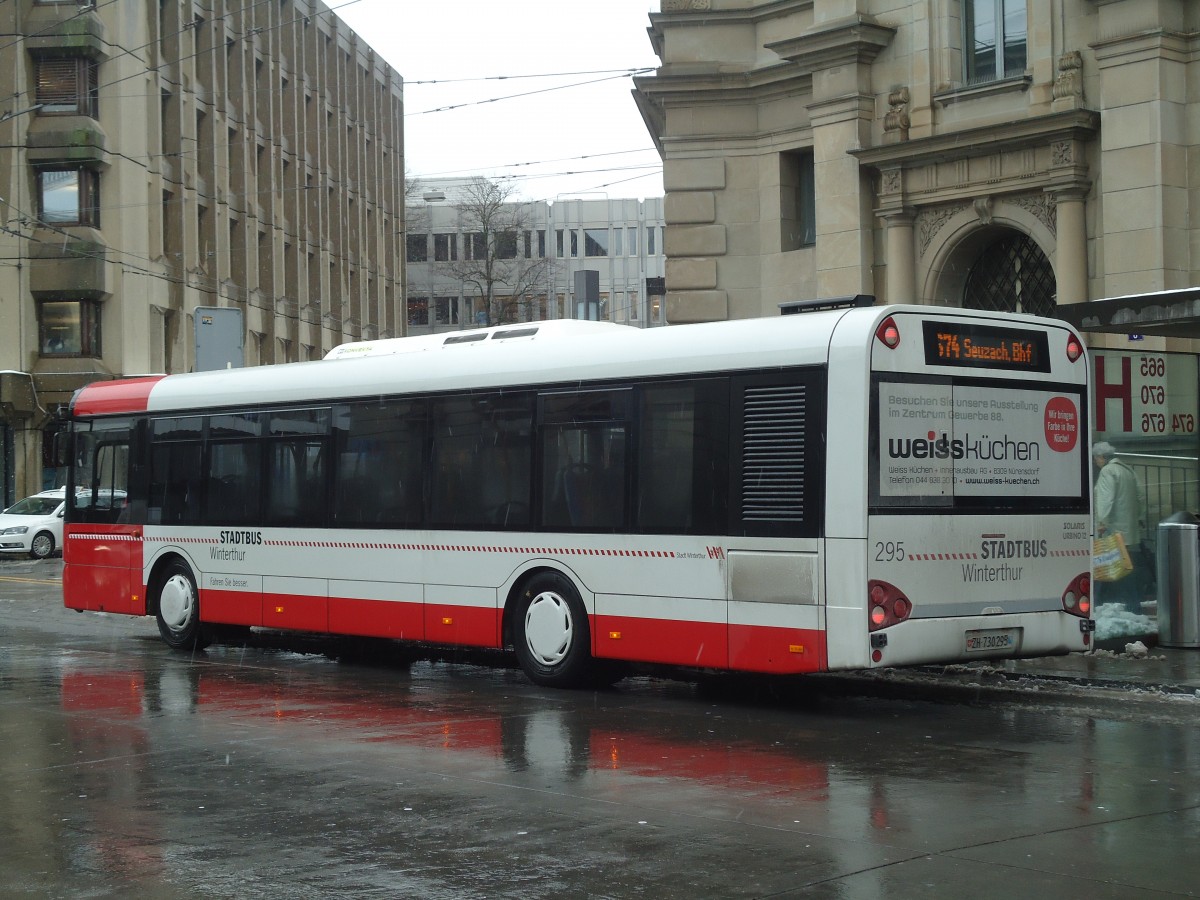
(262, 772)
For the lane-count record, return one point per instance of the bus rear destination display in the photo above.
(986, 347)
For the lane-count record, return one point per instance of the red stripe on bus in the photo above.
(666, 641)
(438, 623)
(750, 648)
(231, 607)
(472, 626)
(127, 395)
(377, 618)
(781, 651)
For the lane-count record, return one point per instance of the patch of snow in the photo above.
(1113, 621)
(1137, 650)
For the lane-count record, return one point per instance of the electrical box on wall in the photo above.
(220, 338)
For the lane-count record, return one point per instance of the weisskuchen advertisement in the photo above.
(939, 442)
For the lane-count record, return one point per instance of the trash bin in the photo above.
(1179, 581)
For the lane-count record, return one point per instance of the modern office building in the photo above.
(160, 157)
(464, 234)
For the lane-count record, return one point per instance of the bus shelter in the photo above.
(1145, 403)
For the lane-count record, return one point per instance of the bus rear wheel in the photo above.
(178, 608)
(551, 634)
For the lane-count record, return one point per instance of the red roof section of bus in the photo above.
(128, 395)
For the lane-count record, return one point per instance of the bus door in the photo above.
(102, 550)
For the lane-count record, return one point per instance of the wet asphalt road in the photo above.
(126, 770)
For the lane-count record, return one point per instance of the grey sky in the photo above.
(592, 129)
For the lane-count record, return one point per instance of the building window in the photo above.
(418, 310)
(1012, 274)
(633, 241)
(69, 327)
(66, 85)
(797, 200)
(476, 245)
(595, 242)
(541, 243)
(574, 243)
(558, 243)
(650, 245)
(69, 196)
(445, 247)
(616, 245)
(418, 247)
(447, 310)
(995, 39)
(506, 245)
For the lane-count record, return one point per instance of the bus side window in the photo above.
(296, 482)
(584, 471)
(380, 464)
(506, 458)
(457, 437)
(175, 484)
(683, 457)
(235, 473)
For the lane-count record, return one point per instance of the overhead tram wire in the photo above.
(614, 72)
(459, 173)
(296, 135)
(561, 87)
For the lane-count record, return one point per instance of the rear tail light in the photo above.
(1074, 348)
(886, 605)
(1077, 598)
(888, 333)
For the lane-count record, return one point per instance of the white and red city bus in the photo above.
(840, 489)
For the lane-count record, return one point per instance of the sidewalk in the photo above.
(1163, 669)
(1127, 655)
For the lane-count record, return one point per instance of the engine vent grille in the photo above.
(773, 454)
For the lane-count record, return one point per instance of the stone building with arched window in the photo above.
(1013, 154)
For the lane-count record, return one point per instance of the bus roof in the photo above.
(541, 353)
(473, 337)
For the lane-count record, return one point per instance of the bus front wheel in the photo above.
(552, 638)
(178, 605)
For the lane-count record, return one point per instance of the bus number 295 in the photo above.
(889, 551)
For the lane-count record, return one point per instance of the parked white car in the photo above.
(34, 525)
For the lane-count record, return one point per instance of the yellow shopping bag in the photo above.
(1110, 558)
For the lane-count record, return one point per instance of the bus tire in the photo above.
(177, 608)
(551, 634)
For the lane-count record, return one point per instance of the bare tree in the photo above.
(496, 262)
(411, 186)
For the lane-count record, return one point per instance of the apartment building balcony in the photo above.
(64, 28)
(68, 262)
